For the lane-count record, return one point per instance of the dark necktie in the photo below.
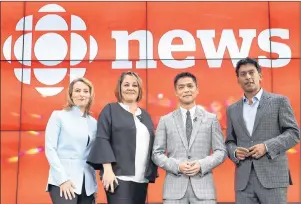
(188, 126)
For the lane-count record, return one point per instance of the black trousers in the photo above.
(54, 192)
(128, 192)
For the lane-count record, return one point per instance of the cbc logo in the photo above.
(50, 48)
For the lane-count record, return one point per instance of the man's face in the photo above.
(186, 90)
(249, 79)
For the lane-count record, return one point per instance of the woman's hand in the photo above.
(67, 188)
(109, 178)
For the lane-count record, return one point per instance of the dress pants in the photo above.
(54, 192)
(255, 193)
(128, 192)
(189, 198)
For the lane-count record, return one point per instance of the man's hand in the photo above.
(195, 168)
(190, 168)
(257, 151)
(241, 153)
(184, 166)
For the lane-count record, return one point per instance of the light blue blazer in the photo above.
(66, 149)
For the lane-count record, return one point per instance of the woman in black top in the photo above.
(123, 145)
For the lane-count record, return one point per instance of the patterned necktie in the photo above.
(188, 126)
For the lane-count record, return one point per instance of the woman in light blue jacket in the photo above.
(68, 138)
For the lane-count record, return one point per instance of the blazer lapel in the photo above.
(241, 117)
(180, 127)
(263, 104)
(198, 119)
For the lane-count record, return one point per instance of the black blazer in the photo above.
(115, 142)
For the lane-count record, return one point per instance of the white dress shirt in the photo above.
(250, 110)
(142, 145)
(184, 116)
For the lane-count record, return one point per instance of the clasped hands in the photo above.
(190, 168)
(256, 151)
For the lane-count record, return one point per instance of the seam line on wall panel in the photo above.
(21, 95)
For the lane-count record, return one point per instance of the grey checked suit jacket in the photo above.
(275, 126)
(171, 147)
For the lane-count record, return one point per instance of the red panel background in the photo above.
(218, 86)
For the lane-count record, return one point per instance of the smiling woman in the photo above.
(122, 151)
(68, 139)
(80, 94)
(129, 88)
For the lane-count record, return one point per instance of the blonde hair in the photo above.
(120, 80)
(70, 102)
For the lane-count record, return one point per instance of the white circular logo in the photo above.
(50, 49)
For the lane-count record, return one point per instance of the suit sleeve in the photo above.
(219, 152)
(101, 151)
(52, 133)
(231, 142)
(290, 133)
(159, 149)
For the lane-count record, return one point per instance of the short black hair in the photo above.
(245, 61)
(183, 75)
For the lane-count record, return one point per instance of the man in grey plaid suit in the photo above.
(183, 142)
(261, 127)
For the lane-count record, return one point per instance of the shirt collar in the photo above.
(127, 108)
(192, 111)
(257, 97)
(77, 111)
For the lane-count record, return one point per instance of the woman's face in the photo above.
(129, 89)
(81, 94)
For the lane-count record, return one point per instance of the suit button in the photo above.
(189, 157)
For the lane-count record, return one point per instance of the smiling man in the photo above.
(261, 127)
(183, 142)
